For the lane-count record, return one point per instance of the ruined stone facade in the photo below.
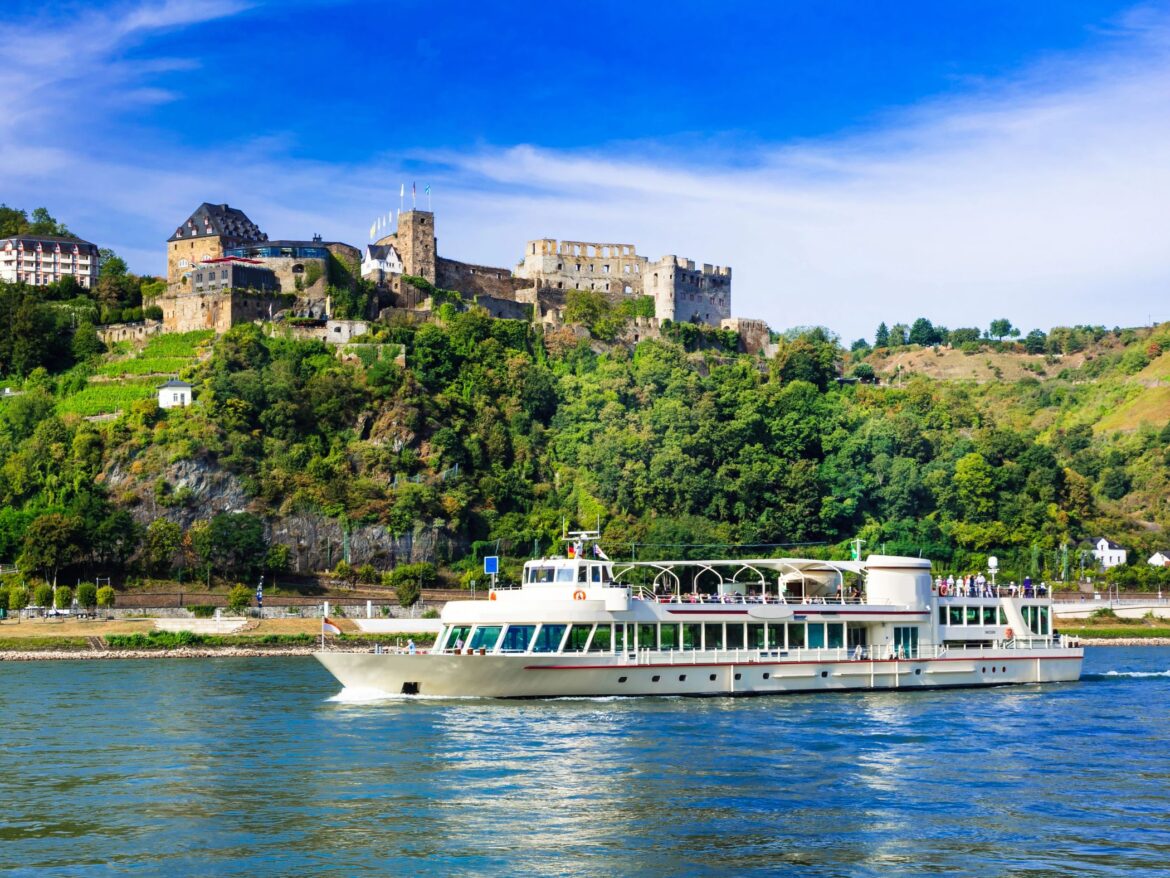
(681, 291)
(219, 310)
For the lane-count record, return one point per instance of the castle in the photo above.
(221, 269)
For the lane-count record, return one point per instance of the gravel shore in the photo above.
(182, 652)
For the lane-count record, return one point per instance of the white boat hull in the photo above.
(550, 676)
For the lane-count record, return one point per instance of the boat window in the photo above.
(775, 636)
(692, 633)
(602, 639)
(989, 615)
(542, 574)
(755, 637)
(517, 638)
(1002, 616)
(668, 635)
(619, 638)
(1044, 629)
(647, 635)
(548, 638)
(582, 574)
(942, 615)
(816, 635)
(796, 636)
(485, 637)
(905, 641)
(457, 636)
(734, 637)
(564, 574)
(855, 636)
(578, 638)
(836, 632)
(596, 572)
(605, 575)
(972, 615)
(956, 615)
(713, 634)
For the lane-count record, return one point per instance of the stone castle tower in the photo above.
(415, 243)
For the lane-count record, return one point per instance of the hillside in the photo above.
(492, 436)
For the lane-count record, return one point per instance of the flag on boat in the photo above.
(327, 626)
(600, 554)
(572, 551)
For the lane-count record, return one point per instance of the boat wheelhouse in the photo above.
(582, 625)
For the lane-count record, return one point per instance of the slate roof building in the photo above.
(207, 234)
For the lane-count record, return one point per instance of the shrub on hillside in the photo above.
(239, 598)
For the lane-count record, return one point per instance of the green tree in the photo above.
(999, 328)
(1036, 342)
(49, 544)
(106, 597)
(18, 598)
(882, 337)
(161, 545)
(922, 332)
(43, 594)
(87, 596)
(239, 599)
(63, 597)
(85, 342)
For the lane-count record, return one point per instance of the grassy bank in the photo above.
(1127, 632)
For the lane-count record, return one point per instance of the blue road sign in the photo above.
(491, 564)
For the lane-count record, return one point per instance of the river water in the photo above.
(255, 767)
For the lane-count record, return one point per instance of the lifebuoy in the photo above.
(491, 595)
(579, 595)
(1007, 633)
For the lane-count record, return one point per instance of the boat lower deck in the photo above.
(532, 676)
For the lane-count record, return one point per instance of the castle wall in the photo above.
(583, 265)
(185, 312)
(505, 309)
(684, 293)
(115, 332)
(477, 280)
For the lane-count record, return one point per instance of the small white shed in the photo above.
(174, 394)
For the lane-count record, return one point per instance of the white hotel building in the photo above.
(40, 260)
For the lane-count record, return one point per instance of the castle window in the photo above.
(578, 266)
(626, 269)
(558, 266)
(605, 268)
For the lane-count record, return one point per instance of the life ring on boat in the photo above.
(579, 595)
(1007, 633)
(491, 595)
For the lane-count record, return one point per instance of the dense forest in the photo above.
(496, 434)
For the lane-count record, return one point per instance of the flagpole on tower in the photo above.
(401, 195)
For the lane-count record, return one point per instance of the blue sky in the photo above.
(854, 162)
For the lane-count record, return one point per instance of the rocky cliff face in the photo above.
(187, 491)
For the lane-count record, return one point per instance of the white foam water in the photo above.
(1136, 674)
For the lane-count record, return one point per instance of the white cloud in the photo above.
(1041, 199)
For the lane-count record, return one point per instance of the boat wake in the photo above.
(1113, 675)
(361, 695)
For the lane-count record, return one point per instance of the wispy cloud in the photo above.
(1042, 198)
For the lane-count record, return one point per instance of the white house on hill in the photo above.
(1108, 553)
(1160, 558)
(174, 394)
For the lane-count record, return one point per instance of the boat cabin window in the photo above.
(755, 637)
(647, 635)
(457, 637)
(733, 639)
(485, 637)
(517, 638)
(816, 635)
(564, 574)
(972, 615)
(582, 573)
(796, 636)
(1002, 616)
(905, 641)
(578, 638)
(713, 632)
(692, 634)
(955, 615)
(836, 634)
(602, 639)
(595, 571)
(989, 615)
(548, 638)
(668, 636)
(540, 574)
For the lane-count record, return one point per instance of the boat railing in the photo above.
(991, 591)
(647, 594)
(821, 654)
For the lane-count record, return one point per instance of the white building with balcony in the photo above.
(40, 260)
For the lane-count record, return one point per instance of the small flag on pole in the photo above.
(327, 626)
(401, 190)
(427, 190)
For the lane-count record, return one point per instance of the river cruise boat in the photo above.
(582, 625)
